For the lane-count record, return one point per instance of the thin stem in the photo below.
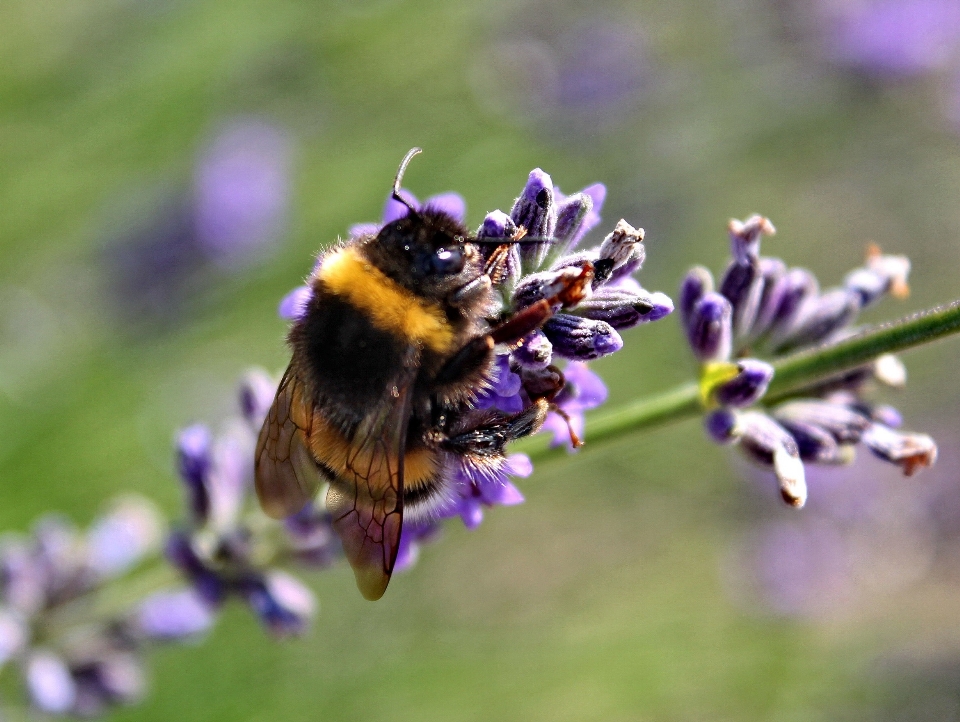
(792, 373)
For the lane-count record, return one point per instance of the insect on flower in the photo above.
(393, 347)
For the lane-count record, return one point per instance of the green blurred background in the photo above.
(623, 589)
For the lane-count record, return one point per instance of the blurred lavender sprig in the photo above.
(762, 306)
(233, 214)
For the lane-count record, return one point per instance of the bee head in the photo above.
(427, 250)
(425, 245)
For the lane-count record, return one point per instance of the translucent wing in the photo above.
(285, 474)
(366, 501)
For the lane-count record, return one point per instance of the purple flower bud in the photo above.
(115, 678)
(747, 387)
(769, 444)
(51, 688)
(281, 601)
(173, 615)
(721, 425)
(624, 309)
(886, 415)
(180, 552)
(772, 271)
(843, 423)
(696, 284)
(816, 444)
(194, 459)
(571, 214)
(497, 224)
(118, 540)
(711, 328)
(581, 339)
(867, 284)
(624, 248)
(257, 390)
(294, 304)
(794, 289)
(742, 285)
(911, 452)
(819, 318)
(536, 211)
(534, 351)
(745, 237)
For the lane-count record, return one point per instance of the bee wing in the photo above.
(286, 477)
(366, 503)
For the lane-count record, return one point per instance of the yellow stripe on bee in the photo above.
(388, 305)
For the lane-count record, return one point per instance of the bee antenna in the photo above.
(399, 178)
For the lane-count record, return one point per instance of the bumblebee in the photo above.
(393, 347)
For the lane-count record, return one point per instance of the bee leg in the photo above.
(489, 437)
(568, 290)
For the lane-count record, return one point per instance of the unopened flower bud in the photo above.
(581, 339)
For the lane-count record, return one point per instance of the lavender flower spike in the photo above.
(777, 310)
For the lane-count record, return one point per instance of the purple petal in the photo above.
(294, 304)
(471, 512)
(450, 203)
(585, 389)
(358, 230)
(394, 210)
(519, 465)
(557, 425)
(174, 615)
(503, 494)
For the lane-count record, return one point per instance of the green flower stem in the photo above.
(792, 373)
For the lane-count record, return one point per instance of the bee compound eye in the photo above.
(447, 260)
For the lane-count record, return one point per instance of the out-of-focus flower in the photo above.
(226, 549)
(761, 306)
(88, 664)
(235, 212)
(242, 190)
(583, 78)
